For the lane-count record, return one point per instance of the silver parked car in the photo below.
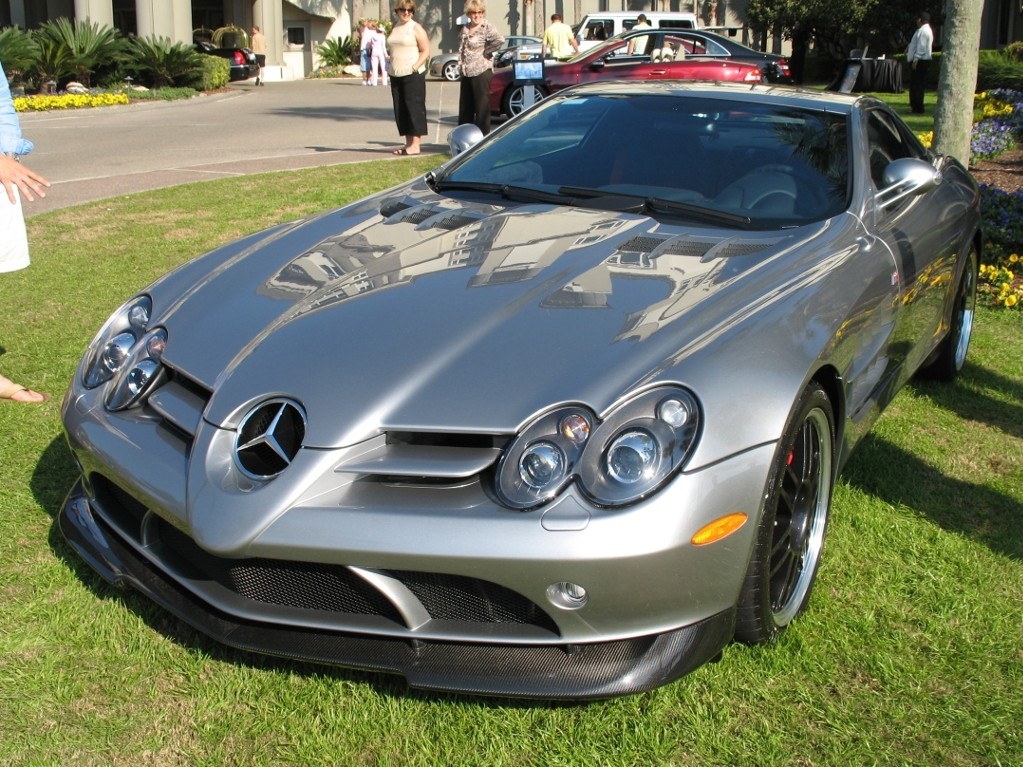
(446, 66)
(560, 419)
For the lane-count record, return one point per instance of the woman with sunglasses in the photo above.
(477, 44)
(410, 50)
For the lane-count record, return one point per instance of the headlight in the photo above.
(622, 459)
(138, 372)
(542, 459)
(114, 343)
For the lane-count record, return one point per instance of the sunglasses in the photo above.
(403, 10)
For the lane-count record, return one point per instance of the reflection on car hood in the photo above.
(414, 311)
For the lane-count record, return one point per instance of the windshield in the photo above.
(749, 165)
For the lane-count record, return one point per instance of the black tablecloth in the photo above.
(877, 75)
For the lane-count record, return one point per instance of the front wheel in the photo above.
(515, 98)
(950, 356)
(790, 538)
(450, 71)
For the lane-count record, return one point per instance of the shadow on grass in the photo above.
(56, 473)
(973, 510)
(968, 398)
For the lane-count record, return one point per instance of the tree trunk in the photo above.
(953, 117)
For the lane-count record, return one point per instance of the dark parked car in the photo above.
(641, 56)
(559, 419)
(774, 68)
(242, 60)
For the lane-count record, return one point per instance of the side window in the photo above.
(695, 46)
(886, 143)
(598, 29)
(676, 24)
(716, 49)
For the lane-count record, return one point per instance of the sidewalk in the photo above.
(93, 154)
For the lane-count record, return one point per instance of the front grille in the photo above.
(451, 597)
(303, 585)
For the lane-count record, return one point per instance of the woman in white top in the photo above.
(410, 50)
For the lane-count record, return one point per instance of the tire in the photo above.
(790, 539)
(450, 72)
(950, 356)
(515, 97)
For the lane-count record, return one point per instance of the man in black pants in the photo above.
(918, 56)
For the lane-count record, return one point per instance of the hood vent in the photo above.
(695, 248)
(642, 244)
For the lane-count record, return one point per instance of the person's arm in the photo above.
(12, 145)
(424, 47)
(14, 174)
(493, 42)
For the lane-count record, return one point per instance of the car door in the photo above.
(921, 232)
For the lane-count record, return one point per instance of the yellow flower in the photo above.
(1013, 258)
(1011, 301)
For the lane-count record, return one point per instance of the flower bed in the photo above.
(998, 129)
(42, 103)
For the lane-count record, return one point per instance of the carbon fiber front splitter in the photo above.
(549, 672)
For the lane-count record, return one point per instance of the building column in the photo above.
(269, 17)
(165, 18)
(18, 13)
(96, 11)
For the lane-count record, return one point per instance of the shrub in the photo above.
(996, 69)
(78, 48)
(19, 53)
(160, 62)
(214, 72)
(335, 52)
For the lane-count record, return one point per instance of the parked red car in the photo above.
(656, 54)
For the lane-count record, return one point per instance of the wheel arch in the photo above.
(831, 381)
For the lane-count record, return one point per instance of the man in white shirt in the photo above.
(918, 56)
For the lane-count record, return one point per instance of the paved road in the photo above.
(96, 153)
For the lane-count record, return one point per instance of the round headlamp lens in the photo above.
(542, 465)
(633, 457)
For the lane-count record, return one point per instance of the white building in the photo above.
(294, 28)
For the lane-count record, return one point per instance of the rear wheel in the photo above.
(790, 539)
(515, 99)
(951, 353)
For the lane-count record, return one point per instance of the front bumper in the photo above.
(548, 671)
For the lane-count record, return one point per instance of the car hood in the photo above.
(411, 311)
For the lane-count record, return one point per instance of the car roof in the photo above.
(841, 103)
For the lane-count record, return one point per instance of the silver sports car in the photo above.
(560, 419)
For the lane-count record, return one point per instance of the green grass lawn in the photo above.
(911, 651)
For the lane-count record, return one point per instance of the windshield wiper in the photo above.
(468, 186)
(662, 205)
(510, 192)
(699, 212)
(615, 202)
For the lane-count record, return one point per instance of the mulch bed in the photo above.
(1004, 172)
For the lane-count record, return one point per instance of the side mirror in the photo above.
(906, 177)
(464, 137)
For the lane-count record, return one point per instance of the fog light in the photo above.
(567, 595)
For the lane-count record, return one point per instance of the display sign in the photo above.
(528, 71)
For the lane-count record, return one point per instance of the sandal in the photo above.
(9, 392)
(404, 153)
